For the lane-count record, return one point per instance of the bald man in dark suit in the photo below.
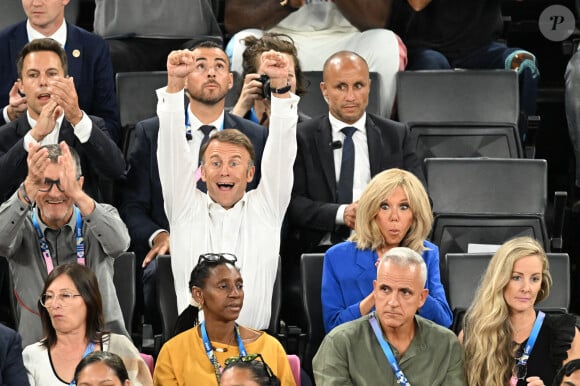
(317, 216)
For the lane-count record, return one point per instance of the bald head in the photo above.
(346, 86)
(341, 59)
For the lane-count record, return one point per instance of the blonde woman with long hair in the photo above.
(501, 323)
(393, 211)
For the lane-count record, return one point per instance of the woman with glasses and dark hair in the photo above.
(248, 371)
(101, 368)
(198, 355)
(506, 340)
(71, 312)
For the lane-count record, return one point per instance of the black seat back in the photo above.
(137, 99)
(311, 274)
(125, 280)
(312, 103)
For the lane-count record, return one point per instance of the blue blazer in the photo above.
(141, 198)
(90, 66)
(12, 371)
(347, 278)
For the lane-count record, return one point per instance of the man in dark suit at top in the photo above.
(141, 204)
(88, 58)
(53, 115)
(339, 153)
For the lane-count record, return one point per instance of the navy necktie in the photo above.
(345, 182)
(206, 130)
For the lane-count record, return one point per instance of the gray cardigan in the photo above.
(105, 237)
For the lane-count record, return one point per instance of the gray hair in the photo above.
(404, 257)
(54, 152)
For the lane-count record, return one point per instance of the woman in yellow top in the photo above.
(198, 355)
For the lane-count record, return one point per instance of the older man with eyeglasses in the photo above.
(49, 221)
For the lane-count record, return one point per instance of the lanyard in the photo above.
(210, 351)
(90, 348)
(253, 117)
(80, 241)
(523, 360)
(401, 378)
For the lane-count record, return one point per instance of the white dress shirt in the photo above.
(362, 166)
(250, 229)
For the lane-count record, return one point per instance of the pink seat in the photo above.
(149, 361)
(295, 367)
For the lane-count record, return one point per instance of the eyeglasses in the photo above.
(218, 258)
(250, 358)
(64, 299)
(48, 184)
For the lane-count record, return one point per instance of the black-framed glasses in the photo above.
(250, 358)
(48, 183)
(218, 258)
(64, 299)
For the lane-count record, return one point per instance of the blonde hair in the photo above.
(489, 353)
(367, 233)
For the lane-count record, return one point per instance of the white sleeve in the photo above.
(275, 186)
(176, 166)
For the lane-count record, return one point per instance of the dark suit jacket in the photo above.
(100, 156)
(141, 198)
(313, 207)
(90, 66)
(12, 371)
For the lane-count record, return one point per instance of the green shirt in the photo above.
(351, 355)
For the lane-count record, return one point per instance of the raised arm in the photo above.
(176, 169)
(275, 185)
(262, 14)
(366, 14)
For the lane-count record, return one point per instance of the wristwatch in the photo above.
(282, 90)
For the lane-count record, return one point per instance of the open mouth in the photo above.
(225, 186)
(44, 96)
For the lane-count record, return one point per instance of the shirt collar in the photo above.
(337, 124)
(196, 123)
(214, 206)
(32, 122)
(59, 35)
(71, 223)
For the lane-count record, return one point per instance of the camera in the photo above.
(265, 80)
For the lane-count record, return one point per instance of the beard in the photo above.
(206, 98)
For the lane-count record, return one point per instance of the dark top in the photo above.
(551, 347)
(12, 371)
(89, 64)
(100, 157)
(452, 27)
(314, 203)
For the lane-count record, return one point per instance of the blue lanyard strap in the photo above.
(90, 348)
(532, 339)
(401, 378)
(209, 351)
(80, 241)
